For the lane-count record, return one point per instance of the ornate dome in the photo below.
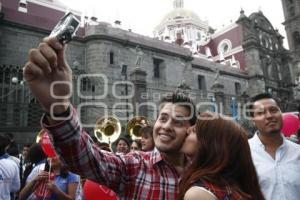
(181, 13)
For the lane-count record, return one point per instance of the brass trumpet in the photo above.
(134, 126)
(107, 129)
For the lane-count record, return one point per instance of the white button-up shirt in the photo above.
(279, 179)
(9, 177)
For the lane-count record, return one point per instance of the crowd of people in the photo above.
(185, 155)
(28, 177)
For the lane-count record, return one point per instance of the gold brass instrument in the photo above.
(107, 129)
(135, 124)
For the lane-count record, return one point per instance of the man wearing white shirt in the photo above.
(276, 159)
(9, 172)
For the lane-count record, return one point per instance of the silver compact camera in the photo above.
(66, 28)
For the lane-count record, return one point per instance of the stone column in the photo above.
(138, 78)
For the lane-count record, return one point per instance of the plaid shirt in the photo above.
(140, 175)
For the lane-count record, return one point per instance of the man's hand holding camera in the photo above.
(48, 75)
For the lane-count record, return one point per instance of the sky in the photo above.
(143, 15)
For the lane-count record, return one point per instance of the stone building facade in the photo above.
(291, 10)
(118, 72)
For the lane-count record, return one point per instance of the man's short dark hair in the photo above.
(183, 100)
(4, 142)
(257, 98)
(28, 145)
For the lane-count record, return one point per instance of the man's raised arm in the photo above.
(49, 78)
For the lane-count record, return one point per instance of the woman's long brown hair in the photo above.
(223, 158)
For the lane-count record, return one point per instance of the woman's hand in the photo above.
(52, 187)
(42, 176)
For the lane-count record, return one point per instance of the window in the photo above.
(23, 6)
(86, 85)
(224, 46)
(198, 35)
(201, 83)
(296, 37)
(111, 57)
(124, 70)
(157, 67)
(237, 87)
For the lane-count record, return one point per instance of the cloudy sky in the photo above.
(143, 15)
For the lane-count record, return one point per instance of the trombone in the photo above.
(107, 129)
(134, 126)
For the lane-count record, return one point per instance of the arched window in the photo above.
(224, 46)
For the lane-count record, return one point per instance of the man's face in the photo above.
(170, 128)
(267, 116)
(25, 151)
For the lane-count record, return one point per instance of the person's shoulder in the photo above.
(36, 169)
(196, 192)
(71, 174)
(293, 146)
(72, 177)
(9, 163)
(253, 141)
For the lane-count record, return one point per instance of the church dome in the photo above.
(181, 13)
(181, 26)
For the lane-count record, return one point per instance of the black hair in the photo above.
(124, 139)
(146, 130)
(138, 142)
(183, 100)
(4, 142)
(64, 171)
(13, 149)
(10, 136)
(36, 153)
(27, 145)
(257, 98)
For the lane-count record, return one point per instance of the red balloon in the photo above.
(95, 191)
(290, 124)
(47, 146)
